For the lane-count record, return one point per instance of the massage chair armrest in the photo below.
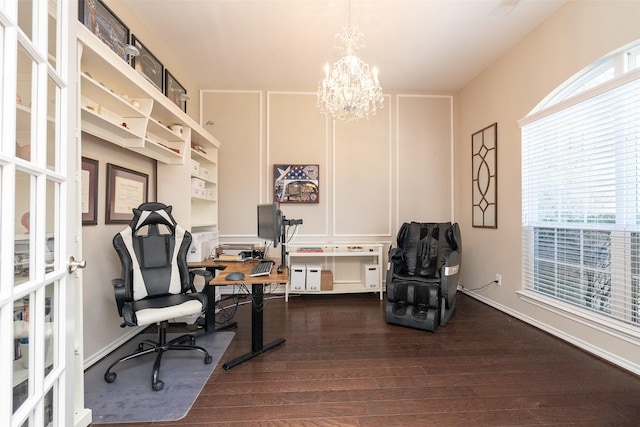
(449, 275)
(207, 275)
(396, 257)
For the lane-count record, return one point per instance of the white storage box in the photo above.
(371, 276)
(314, 277)
(298, 277)
(205, 173)
(197, 183)
(195, 167)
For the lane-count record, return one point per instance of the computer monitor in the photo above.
(270, 222)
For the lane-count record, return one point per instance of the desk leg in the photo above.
(210, 310)
(257, 329)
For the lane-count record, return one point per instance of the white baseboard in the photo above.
(90, 361)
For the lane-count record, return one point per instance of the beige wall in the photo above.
(101, 319)
(574, 37)
(374, 174)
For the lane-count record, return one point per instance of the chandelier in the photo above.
(349, 91)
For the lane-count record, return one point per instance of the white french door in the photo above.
(38, 215)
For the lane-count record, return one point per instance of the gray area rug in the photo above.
(130, 398)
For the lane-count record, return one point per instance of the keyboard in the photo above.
(263, 268)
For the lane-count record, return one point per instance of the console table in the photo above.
(347, 263)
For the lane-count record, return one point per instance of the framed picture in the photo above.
(175, 91)
(147, 64)
(126, 190)
(99, 19)
(89, 182)
(296, 183)
(484, 177)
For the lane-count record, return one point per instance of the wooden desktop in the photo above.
(221, 269)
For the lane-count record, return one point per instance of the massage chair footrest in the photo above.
(414, 293)
(418, 317)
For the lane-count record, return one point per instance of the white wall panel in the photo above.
(362, 170)
(424, 162)
(297, 134)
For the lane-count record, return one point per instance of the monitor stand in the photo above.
(283, 241)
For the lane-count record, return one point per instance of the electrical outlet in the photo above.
(499, 279)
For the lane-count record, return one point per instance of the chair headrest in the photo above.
(152, 213)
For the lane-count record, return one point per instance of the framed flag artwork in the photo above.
(296, 183)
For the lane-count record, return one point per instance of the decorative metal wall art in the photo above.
(484, 163)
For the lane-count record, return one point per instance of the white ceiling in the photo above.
(424, 45)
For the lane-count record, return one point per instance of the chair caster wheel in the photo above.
(140, 347)
(159, 385)
(207, 360)
(192, 341)
(110, 377)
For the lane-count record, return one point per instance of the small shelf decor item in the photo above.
(147, 64)
(89, 182)
(126, 189)
(484, 164)
(175, 91)
(102, 22)
(296, 183)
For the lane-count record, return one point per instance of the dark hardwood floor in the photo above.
(342, 365)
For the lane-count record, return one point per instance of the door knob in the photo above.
(74, 265)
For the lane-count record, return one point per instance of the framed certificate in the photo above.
(89, 191)
(126, 190)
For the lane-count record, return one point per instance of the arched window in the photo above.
(581, 194)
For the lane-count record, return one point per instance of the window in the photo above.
(581, 194)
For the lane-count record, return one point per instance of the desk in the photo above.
(257, 301)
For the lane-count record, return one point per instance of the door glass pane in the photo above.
(25, 17)
(52, 123)
(49, 407)
(50, 230)
(22, 247)
(21, 377)
(50, 318)
(23, 105)
(51, 49)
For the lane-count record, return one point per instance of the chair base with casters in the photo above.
(183, 342)
(423, 273)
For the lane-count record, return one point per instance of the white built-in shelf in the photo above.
(120, 106)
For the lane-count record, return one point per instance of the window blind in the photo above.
(581, 200)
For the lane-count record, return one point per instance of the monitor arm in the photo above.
(283, 241)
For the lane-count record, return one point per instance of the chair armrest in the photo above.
(449, 278)
(451, 265)
(120, 292)
(396, 256)
(207, 275)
